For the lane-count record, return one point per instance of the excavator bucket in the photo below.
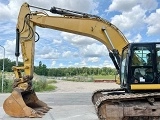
(23, 101)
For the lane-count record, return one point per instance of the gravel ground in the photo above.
(69, 86)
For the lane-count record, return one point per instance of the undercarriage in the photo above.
(116, 104)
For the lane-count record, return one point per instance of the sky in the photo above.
(137, 19)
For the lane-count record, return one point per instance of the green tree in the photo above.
(41, 69)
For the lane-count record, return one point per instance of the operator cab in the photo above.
(140, 64)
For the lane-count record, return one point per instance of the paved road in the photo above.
(66, 106)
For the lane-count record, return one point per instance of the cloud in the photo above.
(129, 20)
(5, 13)
(57, 41)
(43, 51)
(148, 4)
(80, 64)
(127, 5)
(133, 15)
(50, 55)
(136, 39)
(61, 65)
(94, 50)
(87, 46)
(121, 5)
(10, 10)
(153, 23)
(77, 40)
(107, 63)
(93, 59)
(66, 54)
(7, 28)
(53, 63)
(9, 46)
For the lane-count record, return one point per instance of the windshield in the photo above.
(142, 56)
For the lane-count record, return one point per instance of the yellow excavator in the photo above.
(137, 65)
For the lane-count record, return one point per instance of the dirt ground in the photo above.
(69, 86)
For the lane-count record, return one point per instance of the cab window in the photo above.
(158, 57)
(142, 56)
(142, 64)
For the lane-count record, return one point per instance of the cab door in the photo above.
(142, 65)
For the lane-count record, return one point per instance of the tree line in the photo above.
(72, 71)
(42, 69)
(8, 64)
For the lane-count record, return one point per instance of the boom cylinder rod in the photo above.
(104, 30)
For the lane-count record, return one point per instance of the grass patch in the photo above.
(50, 87)
(43, 85)
(50, 81)
(90, 78)
(105, 77)
(7, 85)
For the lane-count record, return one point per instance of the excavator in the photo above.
(137, 64)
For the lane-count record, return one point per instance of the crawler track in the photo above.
(116, 104)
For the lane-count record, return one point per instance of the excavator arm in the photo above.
(23, 95)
